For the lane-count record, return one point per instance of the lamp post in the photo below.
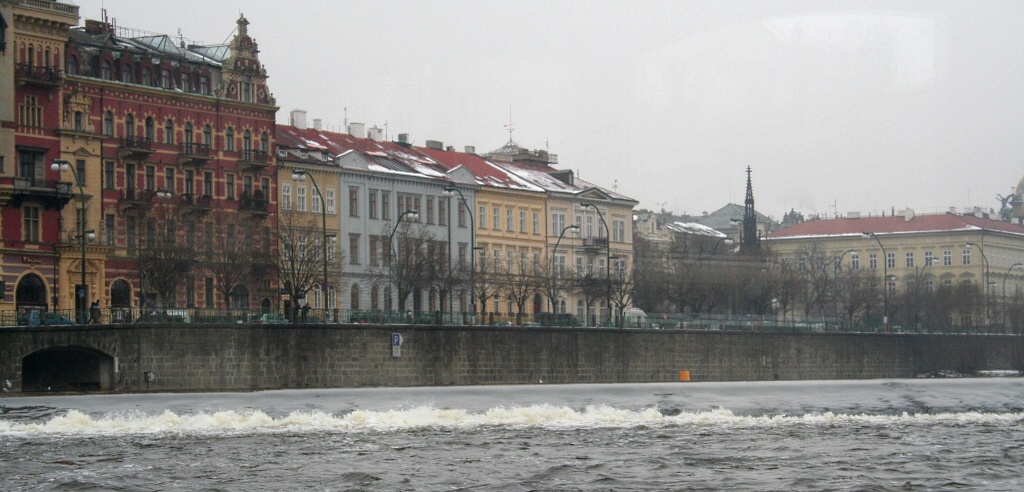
(61, 165)
(1007, 274)
(723, 239)
(983, 257)
(835, 279)
(607, 256)
(414, 214)
(558, 274)
(300, 175)
(450, 191)
(885, 279)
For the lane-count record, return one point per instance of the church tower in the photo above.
(751, 241)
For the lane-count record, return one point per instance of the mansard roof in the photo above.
(895, 224)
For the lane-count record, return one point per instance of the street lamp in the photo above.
(451, 191)
(969, 245)
(414, 215)
(607, 256)
(300, 175)
(835, 279)
(558, 274)
(1004, 288)
(61, 165)
(885, 278)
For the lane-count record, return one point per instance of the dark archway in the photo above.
(537, 303)
(265, 305)
(30, 293)
(67, 369)
(240, 297)
(120, 294)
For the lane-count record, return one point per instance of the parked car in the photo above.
(268, 319)
(32, 318)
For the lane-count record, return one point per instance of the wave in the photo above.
(75, 422)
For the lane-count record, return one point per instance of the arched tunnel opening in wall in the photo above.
(67, 369)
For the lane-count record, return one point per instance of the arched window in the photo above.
(150, 131)
(72, 65)
(188, 134)
(374, 297)
(264, 142)
(129, 125)
(247, 141)
(318, 297)
(46, 61)
(126, 73)
(169, 131)
(105, 70)
(108, 124)
(355, 296)
(207, 136)
(147, 76)
(229, 139)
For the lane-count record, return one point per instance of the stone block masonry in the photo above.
(248, 357)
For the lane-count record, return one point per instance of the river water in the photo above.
(914, 434)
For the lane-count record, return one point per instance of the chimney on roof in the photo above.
(357, 130)
(470, 149)
(403, 138)
(435, 144)
(450, 148)
(563, 175)
(853, 215)
(376, 134)
(298, 118)
(317, 124)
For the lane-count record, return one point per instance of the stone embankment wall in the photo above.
(242, 357)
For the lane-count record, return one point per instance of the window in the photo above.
(108, 229)
(522, 221)
(208, 184)
(246, 141)
(618, 230)
(929, 286)
(463, 248)
(966, 256)
(165, 79)
(264, 142)
(79, 121)
(353, 202)
(247, 186)
(508, 220)
(353, 249)
(590, 226)
(169, 132)
(510, 261)
(372, 199)
(126, 73)
(855, 260)
(169, 179)
(385, 205)
(108, 175)
(229, 139)
(557, 223)
(890, 260)
(229, 186)
(188, 135)
(947, 258)
(373, 253)
(105, 72)
(482, 217)
(72, 65)
(190, 182)
(186, 83)
(330, 201)
(522, 262)
(108, 124)
(536, 223)
(207, 136)
(442, 212)
(497, 260)
(300, 198)
(31, 224)
(150, 129)
(928, 258)
(314, 201)
(496, 223)
(147, 76)
(150, 178)
(31, 114)
(873, 261)
(462, 214)
(910, 259)
(355, 296)
(430, 210)
(204, 85)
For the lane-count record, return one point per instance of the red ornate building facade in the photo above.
(166, 153)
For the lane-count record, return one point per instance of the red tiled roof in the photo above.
(894, 225)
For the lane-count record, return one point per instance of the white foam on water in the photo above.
(75, 422)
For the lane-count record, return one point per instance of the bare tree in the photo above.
(519, 282)
(301, 254)
(234, 253)
(167, 253)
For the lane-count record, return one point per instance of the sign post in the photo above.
(396, 344)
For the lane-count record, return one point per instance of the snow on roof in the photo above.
(694, 228)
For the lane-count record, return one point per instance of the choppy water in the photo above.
(846, 435)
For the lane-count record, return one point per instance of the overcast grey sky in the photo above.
(836, 106)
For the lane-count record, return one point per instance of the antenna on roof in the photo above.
(509, 125)
(346, 119)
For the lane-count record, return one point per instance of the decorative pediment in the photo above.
(461, 175)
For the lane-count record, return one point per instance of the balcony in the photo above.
(256, 160)
(593, 244)
(195, 153)
(46, 77)
(135, 148)
(135, 200)
(254, 203)
(52, 193)
(197, 203)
